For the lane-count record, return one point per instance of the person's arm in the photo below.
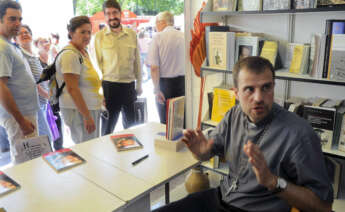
(297, 196)
(155, 79)
(8, 102)
(42, 92)
(198, 144)
(72, 85)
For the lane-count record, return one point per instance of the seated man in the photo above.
(275, 158)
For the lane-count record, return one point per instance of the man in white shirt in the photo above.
(117, 56)
(167, 59)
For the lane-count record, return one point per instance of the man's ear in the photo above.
(236, 93)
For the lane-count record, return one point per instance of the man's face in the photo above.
(255, 93)
(112, 17)
(159, 25)
(10, 23)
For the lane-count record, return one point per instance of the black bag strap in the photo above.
(59, 90)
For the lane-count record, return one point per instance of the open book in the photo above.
(7, 184)
(63, 159)
(126, 142)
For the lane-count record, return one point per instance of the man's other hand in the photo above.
(197, 143)
(160, 97)
(139, 91)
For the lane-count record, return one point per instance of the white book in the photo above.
(221, 47)
(336, 61)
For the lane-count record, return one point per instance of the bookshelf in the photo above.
(294, 29)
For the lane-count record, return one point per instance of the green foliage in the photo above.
(139, 7)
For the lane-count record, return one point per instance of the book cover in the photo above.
(304, 4)
(7, 184)
(224, 5)
(175, 117)
(247, 46)
(30, 148)
(270, 51)
(323, 121)
(221, 50)
(336, 70)
(276, 4)
(223, 100)
(125, 142)
(300, 59)
(330, 25)
(209, 29)
(63, 159)
(330, 3)
(249, 5)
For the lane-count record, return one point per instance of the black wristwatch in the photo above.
(281, 185)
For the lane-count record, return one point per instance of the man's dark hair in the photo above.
(254, 64)
(111, 4)
(5, 4)
(76, 22)
(28, 28)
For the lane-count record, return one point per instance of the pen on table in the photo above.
(140, 159)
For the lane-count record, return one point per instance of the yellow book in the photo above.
(223, 100)
(296, 61)
(270, 51)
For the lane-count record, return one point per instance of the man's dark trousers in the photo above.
(118, 97)
(170, 87)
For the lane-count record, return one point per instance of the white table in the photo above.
(106, 182)
(123, 185)
(159, 168)
(42, 189)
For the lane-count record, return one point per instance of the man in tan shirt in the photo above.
(117, 55)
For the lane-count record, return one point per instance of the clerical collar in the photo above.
(265, 120)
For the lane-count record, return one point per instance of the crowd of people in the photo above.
(120, 53)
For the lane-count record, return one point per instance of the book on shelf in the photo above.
(7, 184)
(317, 55)
(212, 28)
(223, 100)
(336, 68)
(300, 59)
(175, 117)
(333, 26)
(63, 159)
(30, 148)
(125, 142)
(224, 5)
(247, 46)
(334, 172)
(304, 4)
(330, 3)
(323, 121)
(339, 136)
(221, 50)
(270, 51)
(249, 5)
(210, 103)
(276, 4)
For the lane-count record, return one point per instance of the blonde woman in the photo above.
(80, 101)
